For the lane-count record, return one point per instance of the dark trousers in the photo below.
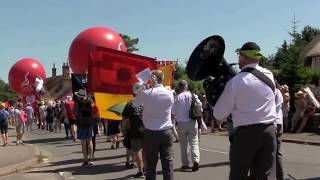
(67, 128)
(253, 147)
(279, 167)
(156, 142)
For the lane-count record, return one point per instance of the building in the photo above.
(58, 87)
(311, 53)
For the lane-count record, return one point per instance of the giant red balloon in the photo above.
(83, 43)
(23, 74)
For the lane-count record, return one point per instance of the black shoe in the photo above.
(112, 147)
(195, 167)
(85, 163)
(139, 175)
(185, 167)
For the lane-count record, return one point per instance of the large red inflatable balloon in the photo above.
(26, 76)
(84, 42)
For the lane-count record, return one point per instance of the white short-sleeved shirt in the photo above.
(157, 104)
(248, 99)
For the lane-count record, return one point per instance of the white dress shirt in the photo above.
(248, 99)
(181, 106)
(279, 101)
(157, 104)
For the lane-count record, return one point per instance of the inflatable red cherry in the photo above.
(26, 75)
(86, 40)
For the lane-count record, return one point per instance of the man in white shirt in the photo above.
(187, 128)
(156, 116)
(251, 102)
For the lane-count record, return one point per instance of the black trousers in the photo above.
(279, 166)
(253, 147)
(156, 142)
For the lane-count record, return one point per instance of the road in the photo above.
(61, 159)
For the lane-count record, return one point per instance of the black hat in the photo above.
(249, 46)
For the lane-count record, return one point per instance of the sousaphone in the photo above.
(207, 62)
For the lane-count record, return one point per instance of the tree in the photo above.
(130, 43)
(5, 92)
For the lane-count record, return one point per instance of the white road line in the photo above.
(209, 150)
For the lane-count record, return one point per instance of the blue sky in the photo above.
(166, 29)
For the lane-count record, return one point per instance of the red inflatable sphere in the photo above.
(23, 75)
(86, 40)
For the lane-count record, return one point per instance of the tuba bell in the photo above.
(207, 62)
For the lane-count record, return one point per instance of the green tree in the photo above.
(130, 42)
(5, 92)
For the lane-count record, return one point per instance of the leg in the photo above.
(183, 145)
(84, 150)
(151, 148)
(167, 154)
(194, 145)
(242, 152)
(279, 166)
(90, 148)
(266, 156)
(93, 144)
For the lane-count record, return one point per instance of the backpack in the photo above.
(3, 115)
(195, 111)
(85, 114)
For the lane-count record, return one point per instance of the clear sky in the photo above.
(167, 29)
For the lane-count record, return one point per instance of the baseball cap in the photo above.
(251, 50)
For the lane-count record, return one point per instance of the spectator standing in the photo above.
(157, 104)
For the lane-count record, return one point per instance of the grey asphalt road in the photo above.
(61, 159)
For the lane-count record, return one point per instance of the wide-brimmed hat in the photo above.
(285, 88)
(81, 93)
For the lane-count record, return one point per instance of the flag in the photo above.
(114, 72)
(79, 81)
(111, 74)
(167, 70)
(104, 102)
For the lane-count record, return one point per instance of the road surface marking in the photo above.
(209, 150)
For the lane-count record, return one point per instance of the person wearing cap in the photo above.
(285, 106)
(135, 129)
(251, 102)
(156, 116)
(4, 115)
(84, 115)
(187, 128)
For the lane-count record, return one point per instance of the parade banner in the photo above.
(111, 74)
(168, 70)
(105, 101)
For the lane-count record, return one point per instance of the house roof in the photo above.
(312, 48)
(57, 87)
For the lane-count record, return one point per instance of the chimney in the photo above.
(54, 70)
(65, 71)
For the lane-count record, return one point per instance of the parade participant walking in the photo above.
(83, 113)
(42, 115)
(4, 115)
(20, 124)
(30, 117)
(157, 104)
(69, 107)
(50, 115)
(251, 102)
(113, 131)
(279, 124)
(187, 128)
(136, 129)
